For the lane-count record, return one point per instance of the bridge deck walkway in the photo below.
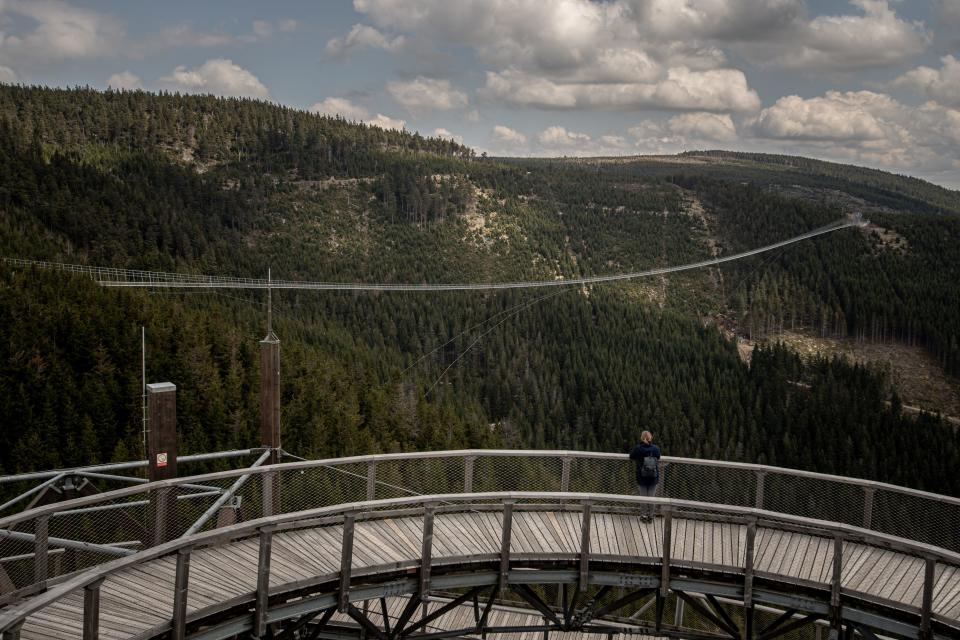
(139, 598)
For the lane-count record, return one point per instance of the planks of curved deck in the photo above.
(140, 598)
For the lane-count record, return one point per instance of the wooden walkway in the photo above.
(139, 598)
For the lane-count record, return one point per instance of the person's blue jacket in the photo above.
(641, 451)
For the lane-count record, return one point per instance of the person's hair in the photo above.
(646, 436)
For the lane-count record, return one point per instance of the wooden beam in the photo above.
(505, 545)
(178, 626)
(836, 614)
(426, 549)
(346, 561)
(584, 548)
(162, 434)
(91, 610)
(667, 539)
(929, 573)
(263, 584)
(270, 396)
(468, 462)
(41, 547)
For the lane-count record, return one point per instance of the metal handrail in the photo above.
(14, 519)
(15, 614)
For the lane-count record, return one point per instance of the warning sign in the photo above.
(162, 459)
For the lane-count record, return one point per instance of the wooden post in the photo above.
(162, 457)
(426, 550)
(346, 562)
(761, 475)
(836, 612)
(505, 536)
(371, 479)
(270, 396)
(263, 584)
(162, 515)
(180, 590)
(665, 545)
(868, 493)
(162, 435)
(468, 473)
(91, 610)
(929, 574)
(584, 548)
(748, 579)
(40, 549)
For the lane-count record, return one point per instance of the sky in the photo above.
(868, 82)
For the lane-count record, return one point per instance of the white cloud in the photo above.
(712, 126)
(362, 36)
(866, 128)
(836, 116)
(218, 76)
(7, 75)
(440, 132)
(942, 84)
(681, 89)
(722, 19)
(614, 141)
(472, 116)
(124, 80)
(508, 136)
(427, 93)
(263, 29)
(386, 122)
(572, 54)
(342, 107)
(878, 38)
(332, 106)
(59, 31)
(557, 136)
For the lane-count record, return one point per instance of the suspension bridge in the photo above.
(521, 545)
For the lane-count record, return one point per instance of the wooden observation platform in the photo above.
(334, 549)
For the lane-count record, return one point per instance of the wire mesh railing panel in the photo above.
(817, 498)
(106, 523)
(701, 483)
(16, 559)
(517, 473)
(323, 486)
(424, 476)
(917, 518)
(601, 475)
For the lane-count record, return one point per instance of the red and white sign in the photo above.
(161, 460)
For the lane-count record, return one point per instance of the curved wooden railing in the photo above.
(40, 546)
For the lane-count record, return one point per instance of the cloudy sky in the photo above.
(871, 82)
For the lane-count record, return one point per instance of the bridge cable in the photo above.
(110, 277)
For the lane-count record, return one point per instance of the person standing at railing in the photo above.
(647, 457)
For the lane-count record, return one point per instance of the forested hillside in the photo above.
(234, 187)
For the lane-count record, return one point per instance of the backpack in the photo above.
(648, 467)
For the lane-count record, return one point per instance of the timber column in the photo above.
(162, 459)
(270, 419)
(162, 437)
(270, 395)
